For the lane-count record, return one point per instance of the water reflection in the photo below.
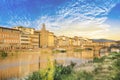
(23, 64)
(18, 66)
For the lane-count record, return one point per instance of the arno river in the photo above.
(21, 65)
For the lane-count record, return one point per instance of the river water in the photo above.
(21, 65)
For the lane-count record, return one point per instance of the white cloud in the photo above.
(79, 18)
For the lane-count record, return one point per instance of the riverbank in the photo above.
(104, 68)
(87, 54)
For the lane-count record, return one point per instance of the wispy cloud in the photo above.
(80, 18)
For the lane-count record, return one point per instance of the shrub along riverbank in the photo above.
(105, 68)
(60, 72)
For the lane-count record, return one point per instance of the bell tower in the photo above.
(43, 27)
(43, 36)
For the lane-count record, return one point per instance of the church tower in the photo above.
(43, 36)
(43, 27)
(46, 37)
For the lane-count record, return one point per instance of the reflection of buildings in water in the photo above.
(78, 57)
(16, 67)
(26, 63)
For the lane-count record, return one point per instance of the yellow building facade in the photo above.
(63, 41)
(24, 38)
(9, 38)
(46, 38)
(28, 38)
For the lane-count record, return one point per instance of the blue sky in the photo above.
(86, 18)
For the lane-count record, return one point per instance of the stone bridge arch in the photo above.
(97, 49)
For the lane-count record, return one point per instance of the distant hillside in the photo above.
(102, 40)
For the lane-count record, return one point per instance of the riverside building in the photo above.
(47, 39)
(9, 38)
(28, 38)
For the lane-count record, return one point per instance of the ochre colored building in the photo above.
(25, 30)
(34, 40)
(63, 41)
(46, 38)
(28, 38)
(9, 38)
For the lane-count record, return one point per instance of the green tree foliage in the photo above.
(117, 76)
(62, 71)
(58, 72)
(85, 76)
(35, 76)
(99, 60)
(3, 54)
(117, 67)
(117, 64)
